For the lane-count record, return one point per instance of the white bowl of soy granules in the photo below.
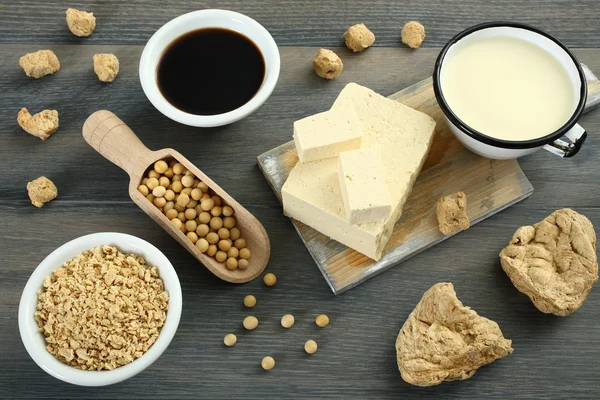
(100, 309)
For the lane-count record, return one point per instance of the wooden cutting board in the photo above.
(490, 185)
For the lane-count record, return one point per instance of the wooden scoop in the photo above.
(109, 136)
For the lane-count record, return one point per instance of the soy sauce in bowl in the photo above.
(210, 71)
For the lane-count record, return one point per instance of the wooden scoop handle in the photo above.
(109, 136)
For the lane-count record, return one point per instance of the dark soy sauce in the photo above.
(210, 71)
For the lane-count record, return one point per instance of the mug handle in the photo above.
(569, 144)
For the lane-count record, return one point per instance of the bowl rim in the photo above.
(481, 137)
(196, 18)
(28, 327)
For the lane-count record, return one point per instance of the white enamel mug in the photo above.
(565, 141)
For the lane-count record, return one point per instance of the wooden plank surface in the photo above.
(554, 357)
(301, 23)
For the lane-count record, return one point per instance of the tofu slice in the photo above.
(312, 192)
(362, 182)
(326, 134)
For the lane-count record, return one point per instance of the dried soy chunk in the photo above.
(451, 213)
(39, 63)
(327, 64)
(80, 23)
(358, 37)
(42, 124)
(443, 340)
(413, 34)
(106, 66)
(41, 191)
(554, 262)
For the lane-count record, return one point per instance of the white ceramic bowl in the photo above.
(34, 340)
(208, 19)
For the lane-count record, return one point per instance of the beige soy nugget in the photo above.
(42, 124)
(39, 63)
(106, 66)
(41, 191)
(413, 34)
(451, 213)
(327, 64)
(443, 340)
(554, 262)
(358, 37)
(80, 23)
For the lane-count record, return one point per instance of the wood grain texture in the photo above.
(111, 137)
(554, 357)
(490, 185)
(300, 23)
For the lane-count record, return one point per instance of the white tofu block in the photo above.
(312, 192)
(326, 134)
(362, 183)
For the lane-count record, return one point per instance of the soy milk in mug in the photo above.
(507, 88)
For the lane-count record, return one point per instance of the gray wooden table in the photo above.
(554, 357)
